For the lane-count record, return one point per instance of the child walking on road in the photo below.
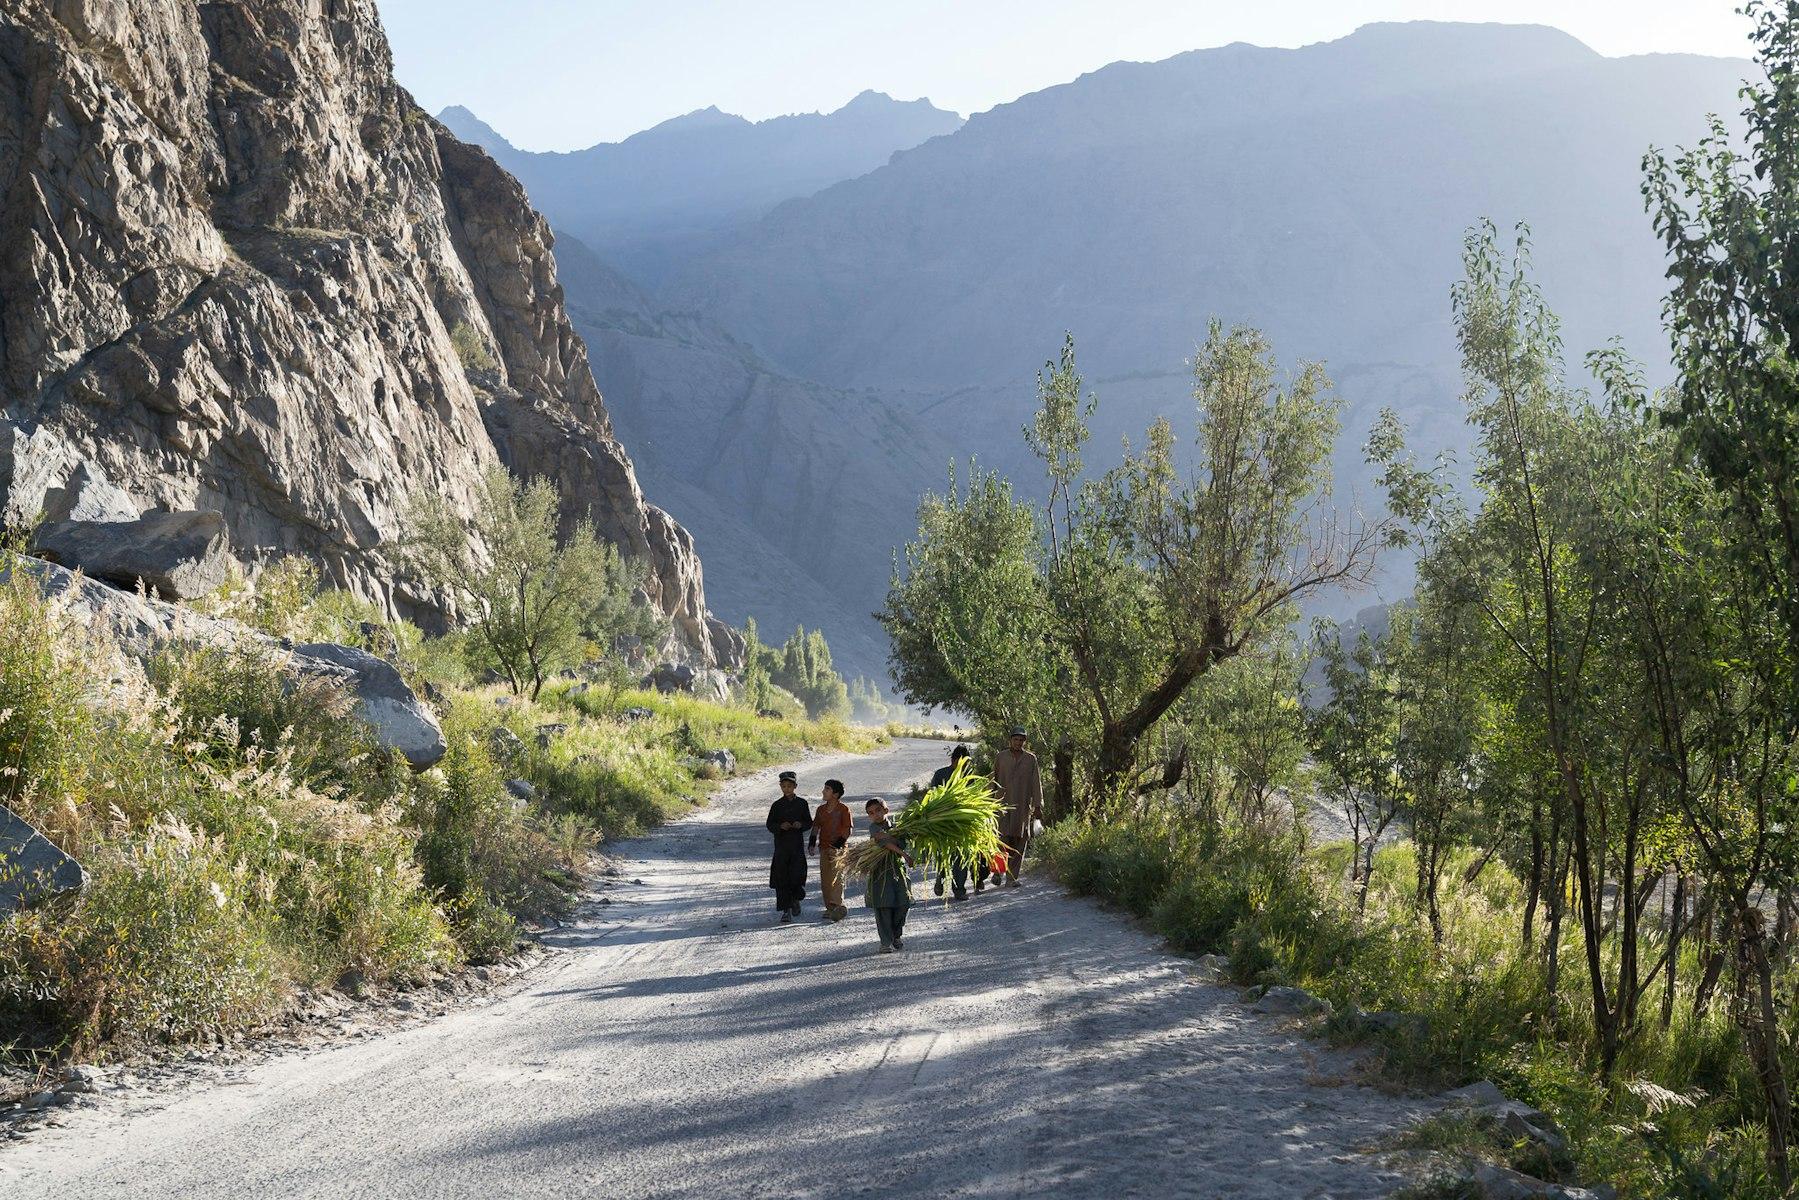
(831, 826)
(890, 883)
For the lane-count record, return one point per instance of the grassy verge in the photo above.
(245, 837)
(1676, 1119)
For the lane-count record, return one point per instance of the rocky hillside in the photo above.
(240, 270)
(770, 471)
(652, 201)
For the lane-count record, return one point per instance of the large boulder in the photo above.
(399, 718)
(31, 868)
(142, 625)
(1498, 1183)
(1517, 1120)
(178, 555)
(671, 677)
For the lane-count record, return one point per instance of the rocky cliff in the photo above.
(241, 270)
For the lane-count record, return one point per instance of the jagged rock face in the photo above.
(232, 256)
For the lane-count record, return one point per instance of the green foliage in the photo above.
(471, 349)
(539, 602)
(46, 665)
(955, 822)
(476, 845)
(869, 705)
(801, 668)
(1725, 215)
(1132, 585)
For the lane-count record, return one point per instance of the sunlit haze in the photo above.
(562, 74)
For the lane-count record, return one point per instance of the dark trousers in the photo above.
(958, 875)
(890, 923)
(789, 897)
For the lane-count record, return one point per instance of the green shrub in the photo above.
(474, 841)
(166, 944)
(486, 932)
(47, 674)
(471, 349)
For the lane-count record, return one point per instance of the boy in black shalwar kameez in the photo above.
(788, 819)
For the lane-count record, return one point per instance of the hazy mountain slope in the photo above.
(652, 200)
(771, 474)
(1320, 193)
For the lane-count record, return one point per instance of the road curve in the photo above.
(685, 1044)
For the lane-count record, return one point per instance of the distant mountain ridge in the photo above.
(895, 319)
(648, 202)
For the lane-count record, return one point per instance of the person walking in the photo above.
(959, 869)
(1020, 788)
(788, 819)
(831, 827)
(890, 883)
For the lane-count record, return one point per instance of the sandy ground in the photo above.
(686, 1044)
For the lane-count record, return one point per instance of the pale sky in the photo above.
(563, 74)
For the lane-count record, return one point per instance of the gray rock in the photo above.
(712, 684)
(1291, 1001)
(724, 760)
(353, 983)
(505, 744)
(769, 714)
(1519, 1120)
(399, 718)
(178, 555)
(141, 626)
(1498, 1183)
(83, 1079)
(1483, 1093)
(87, 496)
(670, 677)
(256, 313)
(521, 789)
(1213, 968)
(32, 868)
(638, 714)
(549, 733)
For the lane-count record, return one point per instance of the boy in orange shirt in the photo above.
(831, 826)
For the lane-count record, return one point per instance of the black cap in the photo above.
(789, 777)
(1018, 731)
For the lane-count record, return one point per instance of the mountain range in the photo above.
(663, 194)
(793, 381)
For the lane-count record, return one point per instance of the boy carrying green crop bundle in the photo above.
(956, 821)
(889, 880)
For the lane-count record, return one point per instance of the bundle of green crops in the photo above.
(956, 821)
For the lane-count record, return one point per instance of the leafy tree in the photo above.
(1131, 586)
(1355, 737)
(966, 614)
(868, 703)
(758, 690)
(804, 668)
(1727, 217)
(535, 600)
(1242, 734)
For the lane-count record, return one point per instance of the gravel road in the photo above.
(685, 1044)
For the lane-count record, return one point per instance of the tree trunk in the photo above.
(1062, 771)
(1761, 1033)
(1714, 965)
(1534, 885)
(1676, 927)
